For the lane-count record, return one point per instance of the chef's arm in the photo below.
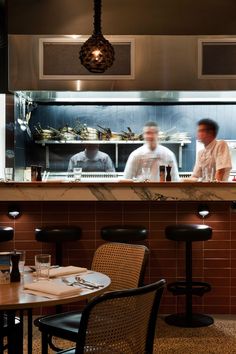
(109, 167)
(219, 176)
(130, 167)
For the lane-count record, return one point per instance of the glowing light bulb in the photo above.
(97, 53)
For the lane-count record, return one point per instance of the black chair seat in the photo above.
(63, 325)
(124, 233)
(6, 234)
(182, 288)
(57, 235)
(192, 232)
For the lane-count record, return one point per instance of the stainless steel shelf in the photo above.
(54, 142)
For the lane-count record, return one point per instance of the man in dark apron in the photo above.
(91, 160)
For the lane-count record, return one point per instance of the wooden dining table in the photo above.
(14, 299)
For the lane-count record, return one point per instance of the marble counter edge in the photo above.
(51, 191)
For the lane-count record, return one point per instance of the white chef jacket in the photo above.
(153, 159)
(216, 155)
(101, 162)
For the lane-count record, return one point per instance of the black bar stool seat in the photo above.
(192, 232)
(124, 233)
(58, 236)
(6, 234)
(188, 233)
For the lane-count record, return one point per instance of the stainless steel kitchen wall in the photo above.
(161, 63)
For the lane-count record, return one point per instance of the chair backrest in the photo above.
(123, 263)
(121, 322)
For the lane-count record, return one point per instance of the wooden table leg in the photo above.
(30, 331)
(15, 334)
(1, 331)
(21, 329)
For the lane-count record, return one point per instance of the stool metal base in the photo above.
(197, 320)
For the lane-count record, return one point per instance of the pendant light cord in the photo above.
(97, 16)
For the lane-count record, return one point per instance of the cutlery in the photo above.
(76, 282)
(79, 279)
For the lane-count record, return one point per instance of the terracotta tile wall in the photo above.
(213, 261)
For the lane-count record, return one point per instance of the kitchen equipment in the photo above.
(130, 135)
(104, 133)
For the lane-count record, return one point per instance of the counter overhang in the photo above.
(59, 191)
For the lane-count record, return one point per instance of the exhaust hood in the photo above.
(128, 96)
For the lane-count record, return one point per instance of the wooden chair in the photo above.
(119, 322)
(125, 265)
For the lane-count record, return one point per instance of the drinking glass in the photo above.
(208, 174)
(8, 174)
(42, 265)
(77, 173)
(21, 262)
(146, 173)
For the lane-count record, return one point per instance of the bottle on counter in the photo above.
(168, 173)
(15, 273)
(162, 170)
(36, 173)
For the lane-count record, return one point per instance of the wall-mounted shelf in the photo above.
(46, 143)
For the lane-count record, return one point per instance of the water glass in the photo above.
(208, 174)
(21, 262)
(77, 173)
(8, 174)
(146, 174)
(42, 265)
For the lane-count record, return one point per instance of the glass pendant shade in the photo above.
(97, 54)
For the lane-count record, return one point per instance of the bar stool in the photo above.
(58, 236)
(124, 233)
(6, 234)
(188, 234)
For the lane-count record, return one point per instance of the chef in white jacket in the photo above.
(144, 162)
(215, 157)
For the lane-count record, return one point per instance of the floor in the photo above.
(217, 339)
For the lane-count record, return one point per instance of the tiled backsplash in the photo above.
(213, 261)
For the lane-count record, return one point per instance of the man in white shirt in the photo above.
(91, 160)
(147, 159)
(215, 156)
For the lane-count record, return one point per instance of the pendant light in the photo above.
(97, 54)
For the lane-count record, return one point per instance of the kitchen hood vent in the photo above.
(217, 58)
(59, 60)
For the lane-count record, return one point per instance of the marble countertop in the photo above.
(123, 191)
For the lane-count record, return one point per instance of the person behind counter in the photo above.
(91, 160)
(214, 158)
(151, 155)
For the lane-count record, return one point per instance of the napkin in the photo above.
(62, 271)
(46, 287)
